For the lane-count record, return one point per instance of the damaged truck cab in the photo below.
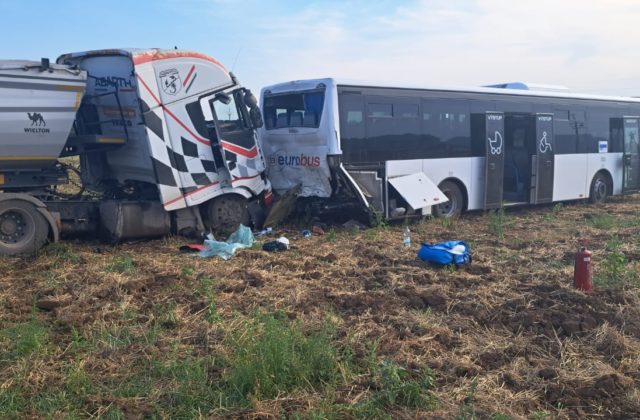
(165, 140)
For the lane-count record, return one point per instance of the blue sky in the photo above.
(587, 45)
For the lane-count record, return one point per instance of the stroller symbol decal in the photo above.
(545, 146)
(495, 144)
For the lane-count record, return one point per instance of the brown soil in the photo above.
(511, 321)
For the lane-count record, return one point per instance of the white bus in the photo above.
(405, 151)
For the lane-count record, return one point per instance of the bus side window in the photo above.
(565, 132)
(351, 111)
(446, 127)
(351, 116)
(598, 127)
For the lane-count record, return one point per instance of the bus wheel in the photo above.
(227, 212)
(454, 206)
(23, 230)
(599, 190)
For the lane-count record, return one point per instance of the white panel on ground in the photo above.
(418, 190)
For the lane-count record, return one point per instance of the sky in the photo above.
(586, 45)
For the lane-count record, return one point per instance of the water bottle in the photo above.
(406, 236)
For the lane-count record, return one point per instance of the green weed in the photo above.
(332, 235)
(11, 402)
(165, 314)
(61, 252)
(189, 391)
(500, 416)
(272, 355)
(77, 382)
(497, 222)
(601, 221)
(377, 219)
(207, 290)
(467, 410)
(187, 271)
(26, 338)
(397, 387)
(447, 223)
(614, 270)
(120, 264)
(554, 213)
(539, 415)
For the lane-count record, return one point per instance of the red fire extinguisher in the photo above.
(582, 269)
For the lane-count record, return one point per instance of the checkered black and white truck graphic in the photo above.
(167, 137)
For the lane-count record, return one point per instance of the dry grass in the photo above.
(141, 330)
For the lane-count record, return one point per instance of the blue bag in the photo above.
(445, 253)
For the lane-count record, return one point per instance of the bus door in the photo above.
(542, 161)
(494, 153)
(631, 155)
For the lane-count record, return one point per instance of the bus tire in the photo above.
(23, 230)
(454, 206)
(227, 212)
(599, 190)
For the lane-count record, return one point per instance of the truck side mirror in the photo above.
(254, 112)
(249, 99)
(256, 117)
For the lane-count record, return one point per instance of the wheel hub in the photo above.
(12, 227)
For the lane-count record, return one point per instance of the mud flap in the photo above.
(418, 190)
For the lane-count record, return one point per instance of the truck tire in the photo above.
(23, 230)
(599, 190)
(226, 213)
(454, 206)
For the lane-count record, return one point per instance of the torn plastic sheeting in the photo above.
(240, 239)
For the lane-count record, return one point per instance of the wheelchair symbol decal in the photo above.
(545, 146)
(495, 144)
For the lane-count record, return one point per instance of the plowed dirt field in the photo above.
(345, 325)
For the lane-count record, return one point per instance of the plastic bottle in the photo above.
(406, 236)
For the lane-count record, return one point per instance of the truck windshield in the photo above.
(300, 109)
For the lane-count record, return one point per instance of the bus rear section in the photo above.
(301, 138)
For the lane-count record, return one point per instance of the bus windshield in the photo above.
(300, 109)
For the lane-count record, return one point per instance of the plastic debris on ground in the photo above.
(445, 253)
(191, 248)
(280, 244)
(306, 233)
(240, 239)
(265, 232)
(317, 230)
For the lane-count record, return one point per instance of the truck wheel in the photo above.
(227, 212)
(599, 190)
(23, 230)
(454, 206)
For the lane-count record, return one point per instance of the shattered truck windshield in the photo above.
(300, 109)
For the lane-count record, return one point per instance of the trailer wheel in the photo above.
(454, 206)
(599, 190)
(23, 230)
(227, 212)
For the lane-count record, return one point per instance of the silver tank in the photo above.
(38, 104)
